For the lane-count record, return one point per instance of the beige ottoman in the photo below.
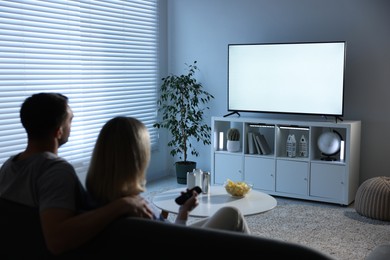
(373, 198)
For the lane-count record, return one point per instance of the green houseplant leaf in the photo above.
(182, 104)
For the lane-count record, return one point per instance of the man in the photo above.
(37, 177)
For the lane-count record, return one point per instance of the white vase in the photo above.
(233, 146)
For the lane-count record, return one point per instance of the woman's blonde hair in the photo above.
(119, 160)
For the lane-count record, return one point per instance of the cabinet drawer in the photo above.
(228, 166)
(292, 176)
(327, 181)
(260, 172)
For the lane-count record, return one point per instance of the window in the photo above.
(101, 54)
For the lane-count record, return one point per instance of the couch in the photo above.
(21, 238)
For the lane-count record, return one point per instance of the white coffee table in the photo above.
(253, 203)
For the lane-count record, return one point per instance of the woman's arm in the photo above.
(184, 209)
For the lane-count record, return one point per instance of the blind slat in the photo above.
(102, 54)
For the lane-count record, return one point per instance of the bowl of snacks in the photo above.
(237, 189)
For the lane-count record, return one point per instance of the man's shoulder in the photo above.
(42, 166)
(51, 159)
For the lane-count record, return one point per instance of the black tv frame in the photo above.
(237, 111)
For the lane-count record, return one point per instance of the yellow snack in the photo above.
(238, 189)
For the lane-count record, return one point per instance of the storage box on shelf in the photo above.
(271, 167)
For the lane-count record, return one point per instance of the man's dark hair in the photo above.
(43, 113)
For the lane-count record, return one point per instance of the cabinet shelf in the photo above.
(272, 168)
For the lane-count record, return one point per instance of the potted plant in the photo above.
(233, 140)
(182, 104)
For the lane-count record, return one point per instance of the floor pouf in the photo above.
(373, 198)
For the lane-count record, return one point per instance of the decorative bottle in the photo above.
(291, 146)
(302, 146)
(198, 177)
(191, 180)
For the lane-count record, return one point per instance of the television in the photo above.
(290, 78)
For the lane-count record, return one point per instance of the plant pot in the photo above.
(181, 170)
(233, 146)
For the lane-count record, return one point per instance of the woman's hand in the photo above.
(191, 203)
(184, 209)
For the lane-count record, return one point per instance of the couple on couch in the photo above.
(70, 220)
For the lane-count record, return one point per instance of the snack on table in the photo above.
(237, 189)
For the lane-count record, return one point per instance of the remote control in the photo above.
(185, 196)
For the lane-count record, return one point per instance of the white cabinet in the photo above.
(308, 175)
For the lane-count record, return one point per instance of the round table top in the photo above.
(254, 202)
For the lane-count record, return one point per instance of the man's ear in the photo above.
(59, 132)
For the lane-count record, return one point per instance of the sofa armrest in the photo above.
(381, 252)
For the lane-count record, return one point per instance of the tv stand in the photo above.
(232, 113)
(336, 118)
(309, 175)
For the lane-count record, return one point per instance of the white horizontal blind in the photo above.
(101, 54)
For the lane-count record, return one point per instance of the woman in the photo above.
(118, 167)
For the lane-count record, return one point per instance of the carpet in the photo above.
(336, 230)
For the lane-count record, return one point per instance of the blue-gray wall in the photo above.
(201, 30)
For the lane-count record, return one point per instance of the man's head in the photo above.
(45, 115)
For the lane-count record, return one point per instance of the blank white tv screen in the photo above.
(299, 78)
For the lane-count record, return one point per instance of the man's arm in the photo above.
(65, 230)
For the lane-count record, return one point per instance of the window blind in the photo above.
(101, 54)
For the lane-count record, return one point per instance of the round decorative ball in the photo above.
(329, 143)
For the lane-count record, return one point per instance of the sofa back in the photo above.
(132, 234)
(22, 238)
(20, 232)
